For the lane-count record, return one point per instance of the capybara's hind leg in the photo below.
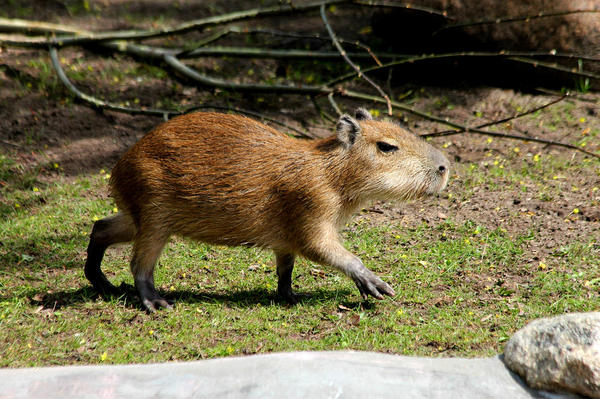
(285, 266)
(107, 231)
(146, 250)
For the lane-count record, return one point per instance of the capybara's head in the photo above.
(389, 161)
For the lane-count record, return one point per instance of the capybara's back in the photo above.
(227, 179)
(222, 179)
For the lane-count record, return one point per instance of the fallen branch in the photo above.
(166, 114)
(499, 121)
(86, 37)
(504, 20)
(206, 80)
(97, 102)
(349, 62)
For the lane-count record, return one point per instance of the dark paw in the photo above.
(369, 284)
(153, 304)
(287, 294)
(105, 288)
(150, 298)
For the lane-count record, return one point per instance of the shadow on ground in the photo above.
(238, 299)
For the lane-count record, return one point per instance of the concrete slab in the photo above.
(280, 375)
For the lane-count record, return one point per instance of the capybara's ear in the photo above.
(347, 130)
(362, 114)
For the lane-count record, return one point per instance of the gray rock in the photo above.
(293, 375)
(558, 354)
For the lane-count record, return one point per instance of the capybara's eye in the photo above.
(385, 147)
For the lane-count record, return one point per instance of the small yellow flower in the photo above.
(151, 332)
(576, 210)
(496, 163)
(517, 150)
(55, 165)
(489, 140)
(582, 120)
(17, 205)
(102, 171)
(542, 266)
(115, 209)
(536, 158)
(95, 218)
(35, 189)
(399, 312)
(103, 356)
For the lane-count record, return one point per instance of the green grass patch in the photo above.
(462, 289)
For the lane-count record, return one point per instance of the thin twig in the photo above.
(334, 104)
(408, 6)
(503, 20)
(499, 121)
(572, 96)
(36, 27)
(349, 62)
(256, 52)
(324, 115)
(11, 143)
(548, 65)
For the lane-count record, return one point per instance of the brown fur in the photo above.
(229, 180)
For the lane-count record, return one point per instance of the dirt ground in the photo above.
(518, 186)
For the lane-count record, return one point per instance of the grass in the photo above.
(463, 289)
